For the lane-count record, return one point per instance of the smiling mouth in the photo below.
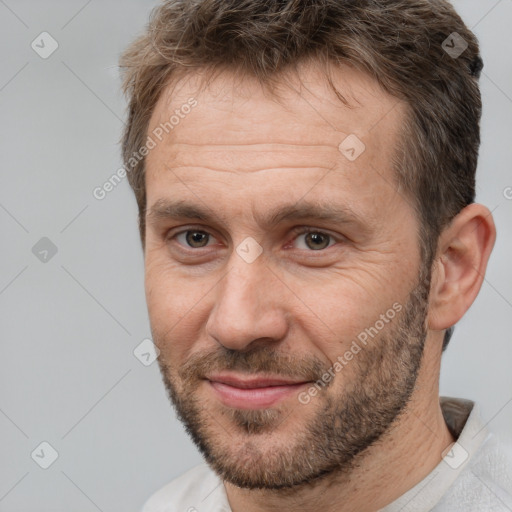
(253, 392)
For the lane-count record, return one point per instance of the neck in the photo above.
(403, 457)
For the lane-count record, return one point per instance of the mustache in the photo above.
(255, 361)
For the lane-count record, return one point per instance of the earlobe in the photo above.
(463, 252)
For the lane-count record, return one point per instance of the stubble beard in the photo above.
(232, 441)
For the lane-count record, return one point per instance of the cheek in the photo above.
(177, 308)
(344, 307)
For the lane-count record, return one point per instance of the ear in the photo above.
(463, 251)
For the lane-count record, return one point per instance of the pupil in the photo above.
(316, 237)
(195, 237)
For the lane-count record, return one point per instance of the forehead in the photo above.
(238, 129)
(302, 102)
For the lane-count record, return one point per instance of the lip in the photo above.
(247, 382)
(253, 392)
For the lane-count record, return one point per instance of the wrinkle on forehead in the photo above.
(249, 157)
(241, 129)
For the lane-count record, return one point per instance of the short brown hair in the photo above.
(400, 43)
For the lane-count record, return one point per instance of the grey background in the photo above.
(69, 326)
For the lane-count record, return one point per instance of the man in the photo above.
(304, 172)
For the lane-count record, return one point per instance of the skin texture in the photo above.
(377, 428)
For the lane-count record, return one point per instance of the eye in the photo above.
(314, 240)
(194, 238)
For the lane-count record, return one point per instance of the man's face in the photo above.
(238, 295)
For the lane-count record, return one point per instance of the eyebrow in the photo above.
(164, 209)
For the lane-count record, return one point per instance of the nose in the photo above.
(250, 306)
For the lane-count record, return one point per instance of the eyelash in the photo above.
(296, 232)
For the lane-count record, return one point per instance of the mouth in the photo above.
(243, 392)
